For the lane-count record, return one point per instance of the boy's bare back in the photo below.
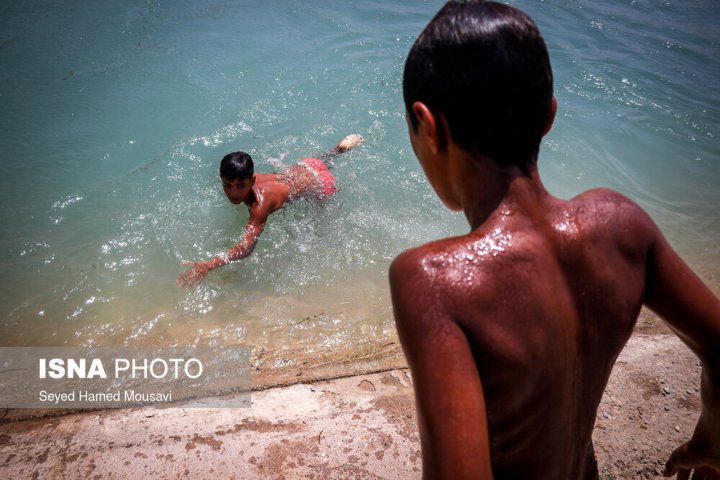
(511, 331)
(541, 298)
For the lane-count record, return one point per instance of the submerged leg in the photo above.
(351, 141)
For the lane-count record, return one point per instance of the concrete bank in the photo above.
(359, 427)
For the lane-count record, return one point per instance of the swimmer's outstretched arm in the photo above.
(693, 312)
(199, 270)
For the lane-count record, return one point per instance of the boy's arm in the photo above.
(199, 270)
(693, 312)
(448, 390)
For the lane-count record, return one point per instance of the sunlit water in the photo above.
(114, 116)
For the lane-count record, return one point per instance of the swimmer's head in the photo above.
(236, 165)
(237, 175)
(484, 68)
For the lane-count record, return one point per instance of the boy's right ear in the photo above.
(427, 126)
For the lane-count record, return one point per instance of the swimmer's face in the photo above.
(237, 190)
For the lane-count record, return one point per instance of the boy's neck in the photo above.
(488, 191)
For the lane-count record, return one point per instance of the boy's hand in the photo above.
(193, 275)
(685, 459)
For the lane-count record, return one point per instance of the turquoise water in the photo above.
(114, 115)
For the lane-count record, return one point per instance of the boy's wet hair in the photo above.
(236, 165)
(483, 66)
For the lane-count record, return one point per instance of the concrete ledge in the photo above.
(359, 427)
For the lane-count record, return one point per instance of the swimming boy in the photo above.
(264, 194)
(511, 331)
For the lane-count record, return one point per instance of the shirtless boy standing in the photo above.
(511, 330)
(264, 194)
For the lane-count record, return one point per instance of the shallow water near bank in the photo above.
(114, 118)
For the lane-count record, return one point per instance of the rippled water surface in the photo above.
(114, 116)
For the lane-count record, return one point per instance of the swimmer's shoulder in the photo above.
(270, 196)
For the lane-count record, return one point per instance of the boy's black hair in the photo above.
(236, 165)
(483, 66)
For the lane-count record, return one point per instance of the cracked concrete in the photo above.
(328, 429)
(359, 427)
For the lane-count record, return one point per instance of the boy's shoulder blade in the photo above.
(497, 255)
(427, 257)
(609, 211)
(604, 197)
(447, 264)
(418, 268)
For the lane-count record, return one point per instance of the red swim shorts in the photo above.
(321, 172)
